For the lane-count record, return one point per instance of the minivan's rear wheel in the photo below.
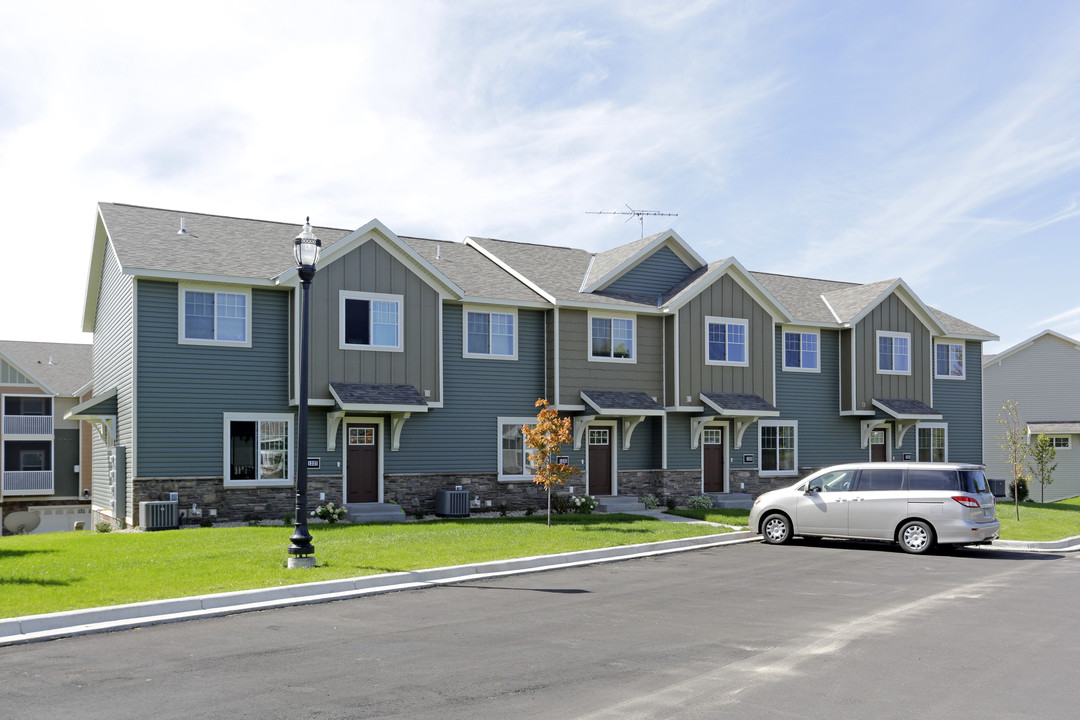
(915, 536)
(776, 529)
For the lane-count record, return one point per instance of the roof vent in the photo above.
(182, 230)
(438, 252)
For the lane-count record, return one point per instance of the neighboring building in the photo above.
(682, 376)
(1042, 375)
(42, 455)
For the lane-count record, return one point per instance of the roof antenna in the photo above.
(639, 214)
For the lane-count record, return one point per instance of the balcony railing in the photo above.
(28, 425)
(28, 482)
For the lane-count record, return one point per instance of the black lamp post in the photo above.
(306, 249)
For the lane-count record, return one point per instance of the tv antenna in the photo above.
(639, 214)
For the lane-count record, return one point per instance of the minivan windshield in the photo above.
(973, 481)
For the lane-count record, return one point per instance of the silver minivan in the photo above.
(916, 505)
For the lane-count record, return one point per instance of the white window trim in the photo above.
(358, 295)
(499, 430)
(184, 289)
(877, 352)
(783, 348)
(1066, 438)
(465, 310)
(709, 319)
(930, 426)
(795, 459)
(963, 361)
(229, 418)
(613, 316)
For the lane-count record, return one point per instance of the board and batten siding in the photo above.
(894, 316)
(724, 298)
(1042, 379)
(960, 403)
(371, 268)
(114, 367)
(185, 390)
(577, 372)
(463, 435)
(653, 275)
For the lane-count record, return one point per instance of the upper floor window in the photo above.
(801, 350)
(949, 360)
(893, 353)
(725, 341)
(371, 321)
(611, 338)
(490, 334)
(27, 405)
(209, 316)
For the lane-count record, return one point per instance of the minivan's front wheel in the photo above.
(915, 536)
(776, 529)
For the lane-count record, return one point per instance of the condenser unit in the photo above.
(159, 515)
(452, 503)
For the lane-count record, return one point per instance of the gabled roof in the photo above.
(989, 359)
(803, 297)
(961, 330)
(610, 265)
(478, 276)
(697, 281)
(58, 368)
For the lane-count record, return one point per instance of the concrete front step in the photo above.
(728, 501)
(618, 504)
(374, 512)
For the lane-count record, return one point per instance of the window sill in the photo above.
(248, 484)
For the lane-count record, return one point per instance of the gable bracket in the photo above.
(697, 427)
(628, 425)
(902, 426)
(105, 426)
(580, 423)
(740, 427)
(397, 421)
(865, 427)
(333, 420)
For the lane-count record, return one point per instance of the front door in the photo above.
(362, 464)
(600, 461)
(879, 446)
(712, 460)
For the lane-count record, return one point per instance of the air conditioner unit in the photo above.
(159, 515)
(452, 503)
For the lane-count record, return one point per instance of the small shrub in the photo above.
(329, 512)
(699, 502)
(253, 523)
(583, 505)
(1021, 489)
(503, 510)
(671, 504)
(650, 501)
(288, 518)
(103, 527)
(530, 510)
(560, 504)
(418, 514)
(206, 522)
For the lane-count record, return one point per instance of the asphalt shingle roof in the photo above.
(621, 400)
(740, 401)
(474, 273)
(904, 406)
(64, 367)
(378, 394)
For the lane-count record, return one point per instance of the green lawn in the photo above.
(66, 571)
(737, 518)
(1039, 522)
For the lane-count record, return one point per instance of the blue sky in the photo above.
(859, 141)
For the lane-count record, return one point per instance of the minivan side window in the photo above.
(881, 479)
(932, 480)
(974, 481)
(838, 481)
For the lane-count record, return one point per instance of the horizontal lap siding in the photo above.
(960, 403)
(653, 275)
(184, 390)
(463, 435)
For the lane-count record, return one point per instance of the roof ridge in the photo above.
(807, 277)
(216, 215)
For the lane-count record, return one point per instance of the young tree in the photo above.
(1014, 445)
(1042, 465)
(546, 438)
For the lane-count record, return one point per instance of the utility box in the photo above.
(159, 515)
(452, 503)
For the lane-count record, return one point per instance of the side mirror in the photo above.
(813, 489)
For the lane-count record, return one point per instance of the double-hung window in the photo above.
(949, 360)
(490, 334)
(209, 316)
(801, 350)
(932, 443)
(725, 341)
(1061, 442)
(611, 338)
(778, 447)
(371, 321)
(893, 353)
(515, 457)
(257, 449)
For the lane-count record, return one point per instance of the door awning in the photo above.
(621, 402)
(377, 397)
(1059, 427)
(739, 405)
(904, 409)
(100, 411)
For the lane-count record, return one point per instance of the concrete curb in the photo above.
(1071, 544)
(36, 628)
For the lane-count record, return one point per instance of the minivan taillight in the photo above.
(966, 501)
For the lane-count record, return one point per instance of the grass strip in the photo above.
(66, 571)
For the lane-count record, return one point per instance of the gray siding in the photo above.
(960, 402)
(645, 446)
(577, 372)
(65, 458)
(894, 316)
(114, 363)
(371, 268)
(724, 298)
(184, 390)
(653, 275)
(671, 398)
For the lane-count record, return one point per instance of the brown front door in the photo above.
(599, 461)
(362, 463)
(713, 460)
(879, 448)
